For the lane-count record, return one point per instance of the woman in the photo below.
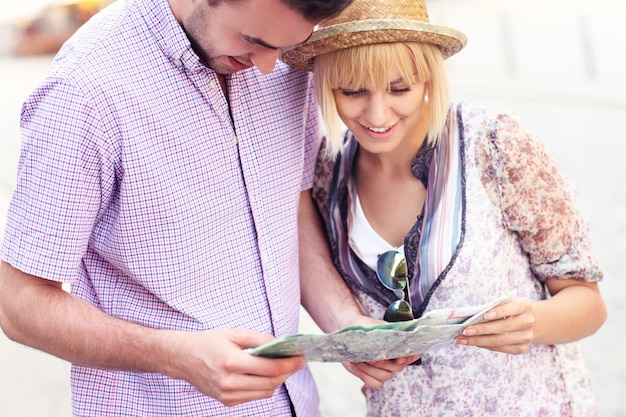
(475, 204)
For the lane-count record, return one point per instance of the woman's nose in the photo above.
(377, 109)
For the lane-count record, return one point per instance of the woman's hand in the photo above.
(574, 311)
(510, 328)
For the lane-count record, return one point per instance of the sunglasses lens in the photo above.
(398, 311)
(392, 270)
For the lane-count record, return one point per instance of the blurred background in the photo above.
(559, 64)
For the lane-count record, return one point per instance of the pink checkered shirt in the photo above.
(137, 187)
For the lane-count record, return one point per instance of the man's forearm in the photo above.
(40, 314)
(325, 294)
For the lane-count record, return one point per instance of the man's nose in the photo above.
(265, 61)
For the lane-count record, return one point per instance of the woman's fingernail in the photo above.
(460, 341)
(490, 315)
(469, 332)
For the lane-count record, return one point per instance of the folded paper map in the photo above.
(435, 329)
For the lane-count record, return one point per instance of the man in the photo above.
(166, 181)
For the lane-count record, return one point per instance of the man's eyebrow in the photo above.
(264, 44)
(260, 42)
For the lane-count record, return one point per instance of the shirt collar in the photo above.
(167, 32)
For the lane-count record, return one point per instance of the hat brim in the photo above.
(367, 32)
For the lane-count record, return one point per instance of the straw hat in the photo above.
(367, 22)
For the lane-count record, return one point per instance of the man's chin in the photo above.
(220, 67)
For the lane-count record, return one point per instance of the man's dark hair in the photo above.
(313, 11)
(318, 10)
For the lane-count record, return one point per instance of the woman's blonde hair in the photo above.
(367, 66)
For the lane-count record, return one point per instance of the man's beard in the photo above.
(198, 19)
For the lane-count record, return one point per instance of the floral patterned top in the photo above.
(520, 227)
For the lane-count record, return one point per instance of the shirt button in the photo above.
(236, 140)
(186, 54)
(264, 258)
(212, 84)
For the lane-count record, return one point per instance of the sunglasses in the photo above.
(391, 272)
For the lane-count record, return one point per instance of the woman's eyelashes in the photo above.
(352, 93)
(362, 91)
(399, 91)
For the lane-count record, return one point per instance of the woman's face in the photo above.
(383, 120)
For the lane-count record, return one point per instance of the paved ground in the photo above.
(574, 95)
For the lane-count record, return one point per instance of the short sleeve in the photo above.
(537, 201)
(63, 179)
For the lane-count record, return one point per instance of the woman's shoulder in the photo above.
(330, 168)
(480, 116)
(324, 170)
(502, 131)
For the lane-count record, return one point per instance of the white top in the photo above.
(365, 241)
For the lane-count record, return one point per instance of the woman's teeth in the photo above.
(378, 129)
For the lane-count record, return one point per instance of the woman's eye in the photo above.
(399, 91)
(351, 93)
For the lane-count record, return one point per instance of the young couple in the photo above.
(169, 183)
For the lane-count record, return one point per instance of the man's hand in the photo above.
(373, 374)
(38, 313)
(215, 363)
